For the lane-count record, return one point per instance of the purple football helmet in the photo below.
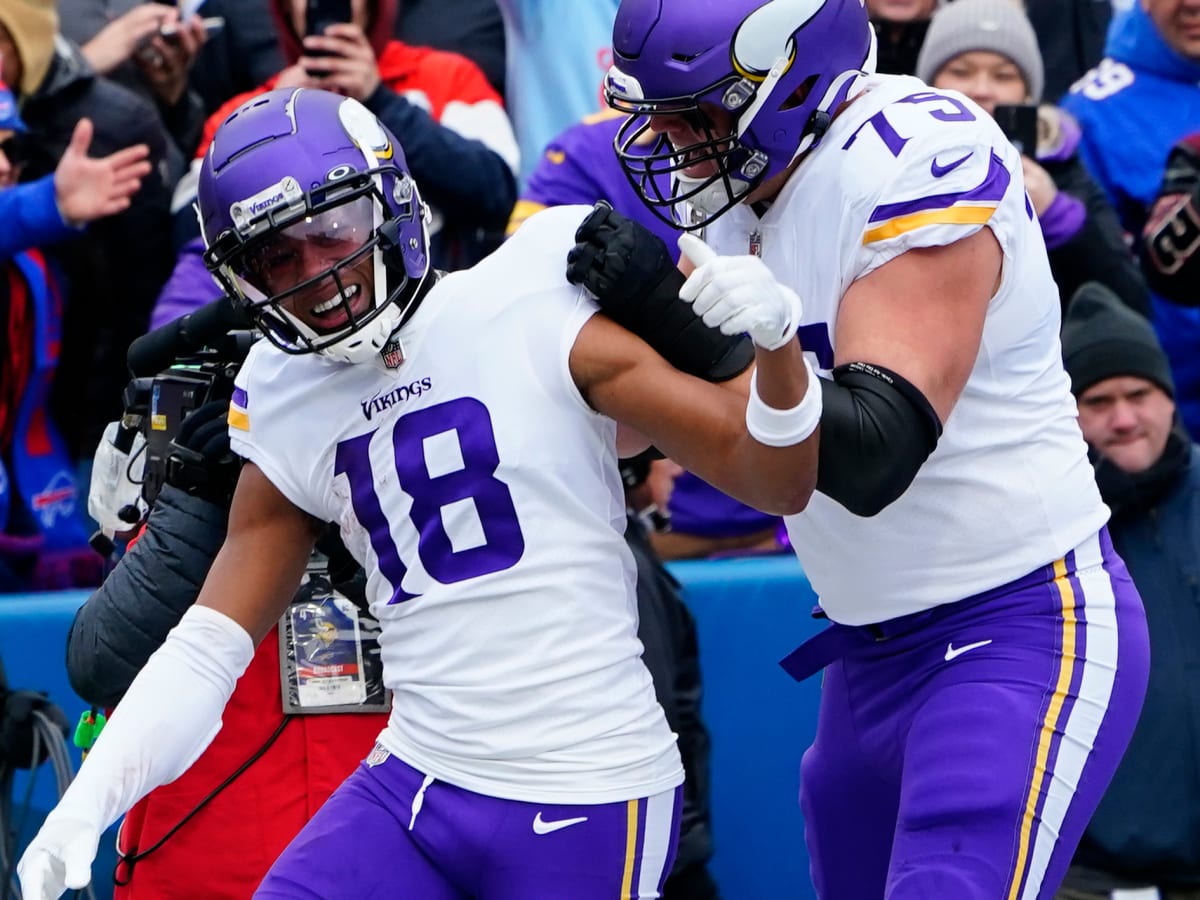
(779, 67)
(305, 203)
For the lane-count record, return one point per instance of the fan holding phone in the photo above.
(337, 54)
(458, 138)
(153, 37)
(987, 50)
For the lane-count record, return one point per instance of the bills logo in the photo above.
(57, 500)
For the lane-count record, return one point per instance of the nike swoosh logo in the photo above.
(953, 652)
(541, 826)
(937, 171)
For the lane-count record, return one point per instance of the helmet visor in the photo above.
(307, 249)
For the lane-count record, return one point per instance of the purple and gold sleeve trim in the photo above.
(239, 414)
(971, 207)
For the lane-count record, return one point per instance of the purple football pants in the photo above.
(960, 752)
(391, 832)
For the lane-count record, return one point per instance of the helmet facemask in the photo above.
(656, 168)
(266, 261)
(779, 69)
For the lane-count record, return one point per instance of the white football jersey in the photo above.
(1009, 487)
(481, 493)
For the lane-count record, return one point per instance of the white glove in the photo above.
(738, 294)
(59, 858)
(145, 744)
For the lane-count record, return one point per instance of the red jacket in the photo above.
(223, 852)
(436, 76)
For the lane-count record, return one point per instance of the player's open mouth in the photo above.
(697, 162)
(701, 170)
(333, 313)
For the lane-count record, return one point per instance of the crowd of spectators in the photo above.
(106, 106)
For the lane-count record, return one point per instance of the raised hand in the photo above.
(351, 68)
(166, 61)
(121, 38)
(739, 295)
(87, 189)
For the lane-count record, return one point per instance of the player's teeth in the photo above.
(333, 301)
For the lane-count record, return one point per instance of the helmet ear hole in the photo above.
(799, 95)
(389, 244)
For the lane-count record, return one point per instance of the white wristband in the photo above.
(784, 427)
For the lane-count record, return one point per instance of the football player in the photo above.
(988, 656)
(461, 430)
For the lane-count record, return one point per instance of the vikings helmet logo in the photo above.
(765, 36)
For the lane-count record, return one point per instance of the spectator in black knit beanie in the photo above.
(1142, 837)
(987, 50)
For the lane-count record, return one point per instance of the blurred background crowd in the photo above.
(106, 107)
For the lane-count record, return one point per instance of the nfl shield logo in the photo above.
(377, 755)
(392, 353)
(755, 247)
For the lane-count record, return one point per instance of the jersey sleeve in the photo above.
(941, 191)
(550, 234)
(255, 433)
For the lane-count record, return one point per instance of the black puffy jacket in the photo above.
(145, 596)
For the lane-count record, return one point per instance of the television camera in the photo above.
(176, 369)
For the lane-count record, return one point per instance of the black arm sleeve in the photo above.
(876, 432)
(144, 597)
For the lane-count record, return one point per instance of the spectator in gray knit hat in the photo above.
(989, 31)
(987, 50)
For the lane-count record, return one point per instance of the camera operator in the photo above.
(267, 771)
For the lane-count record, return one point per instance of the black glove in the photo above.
(630, 271)
(200, 462)
(620, 261)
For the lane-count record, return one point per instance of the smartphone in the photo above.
(1019, 123)
(211, 26)
(320, 14)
